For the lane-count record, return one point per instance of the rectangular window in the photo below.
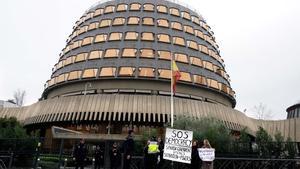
(203, 49)
(61, 78)
(192, 45)
(115, 36)
(162, 9)
(108, 72)
(148, 21)
(181, 57)
(131, 36)
(133, 20)
(118, 21)
(166, 55)
(177, 26)
(174, 11)
(146, 72)
(178, 41)
(87, 41)
(100, 38)
(188, 29)
(208, 65)
(98, 12)
(110, 53)
(164, 73)
(105, 23)
(109, 9)
(185, 77)
(51, 82)
(147, 53)
(163, 38)
(148, 7)
(186, 15)
(129, 52)
(96, 54)
(163, 23)
(122, 7)
(196, 61)
(199, 34)
(147, 36)
(93, 26)
(196, 20)
(126, 71)
(74, 75)
(83, 29)
(89, 73)
(81, 57)
(89, 15)
(213, 83)
(199, 80)
(135, 7)
(69, 60)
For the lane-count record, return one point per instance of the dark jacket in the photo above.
(80, 152)
(128, 146)
(115, 157)
(195, 162)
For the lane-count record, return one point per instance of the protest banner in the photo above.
(206, 154)
(178, 145)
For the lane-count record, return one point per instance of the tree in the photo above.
(278, 145)
(19, 97)
(244, 142)
(262, 112)
(264, 143)
(206, 128)
(290, 148)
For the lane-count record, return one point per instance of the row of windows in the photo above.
(144, 36)
(145, 21)
(146, 7)
(142, 53)
(141, 72)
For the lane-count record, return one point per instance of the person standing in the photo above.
(195, 156)
(115, 157)
(146, 157)
(206, 164)
(153, 153)
(128, 148)
(161, 152)
(99, 157)
(80, 153)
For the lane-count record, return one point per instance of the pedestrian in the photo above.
(161, 152)
(80, 153)
(195, 162)
(146, 157)
(153, 153)
(99, 157)
(206, 164)
(128, 148)
(115, 156)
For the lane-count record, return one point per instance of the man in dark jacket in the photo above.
(99, 157)
(161, 146)
(115, 157)
(128, 148)
(80, 154)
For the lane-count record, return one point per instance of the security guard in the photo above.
(152, 153)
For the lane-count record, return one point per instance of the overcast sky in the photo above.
(258, 39)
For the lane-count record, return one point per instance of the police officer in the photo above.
(80, 152)
(153, 153)
(99, 157)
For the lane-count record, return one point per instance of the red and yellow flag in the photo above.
(176, 75)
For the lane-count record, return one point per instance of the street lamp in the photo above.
(88, 84)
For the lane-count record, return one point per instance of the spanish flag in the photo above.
(176, 75)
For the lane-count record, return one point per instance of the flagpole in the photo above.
(172, 93)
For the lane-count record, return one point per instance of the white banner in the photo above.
(178, 145)
(206, 154)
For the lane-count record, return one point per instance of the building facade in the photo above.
(114, 74)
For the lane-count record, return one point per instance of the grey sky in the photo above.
(258, 41)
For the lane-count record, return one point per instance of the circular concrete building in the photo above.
(114, 74)
(293, 111)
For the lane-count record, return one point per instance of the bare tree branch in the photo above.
(19, 97)
(262, 112)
